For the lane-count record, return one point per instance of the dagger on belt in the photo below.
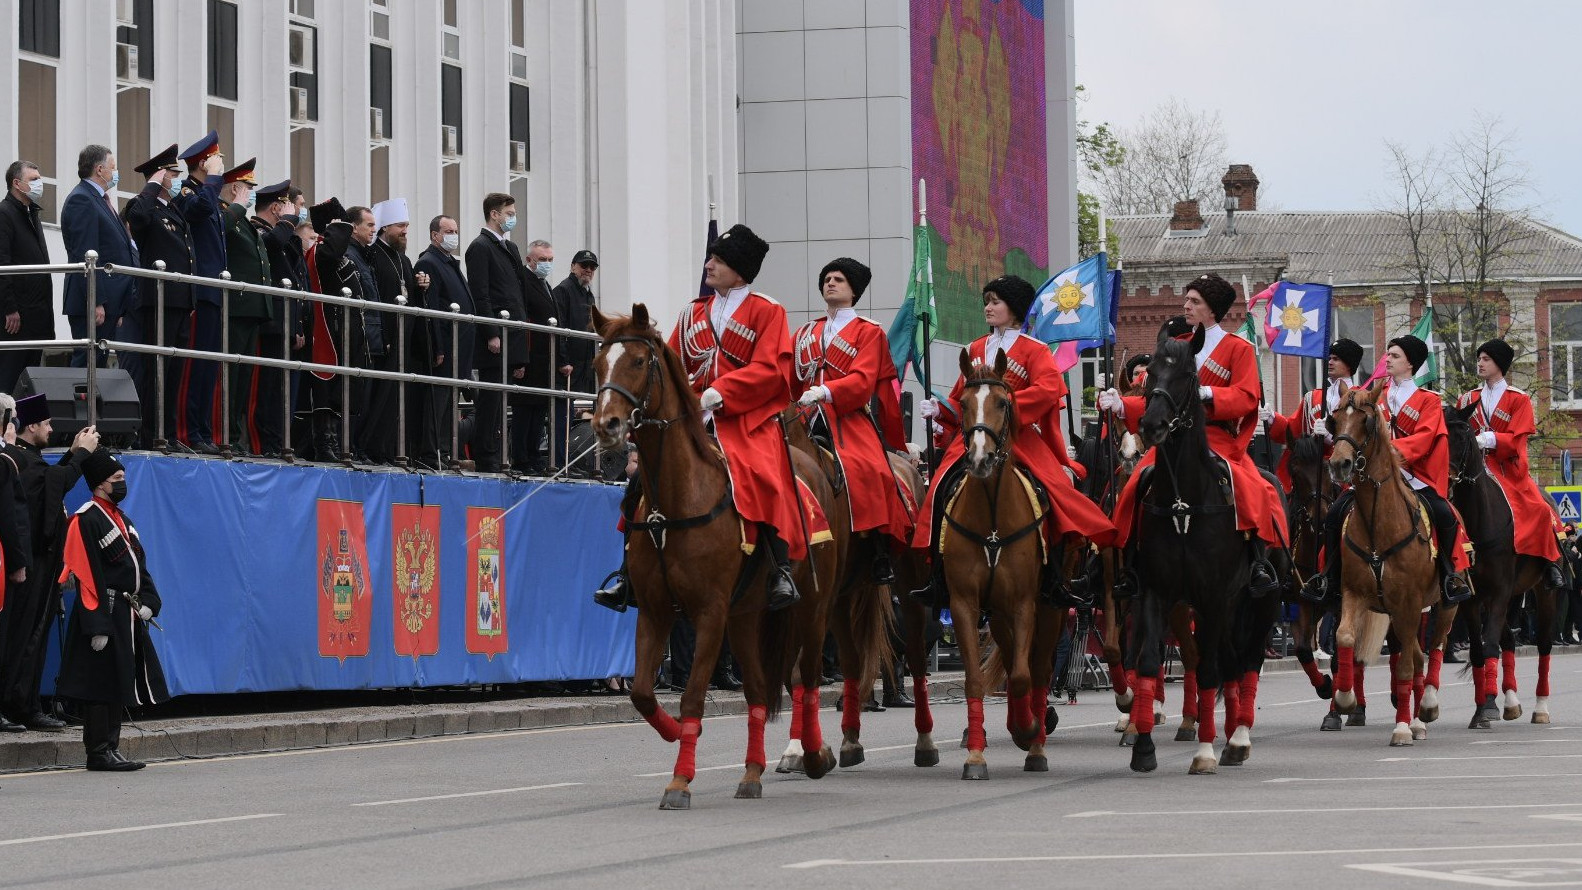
(136, 603)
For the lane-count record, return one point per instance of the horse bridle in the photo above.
(1179, 419)
(1000, 455)
(638, 416)
(1370, 429)
(1373, 556)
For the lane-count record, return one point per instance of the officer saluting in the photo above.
(158, 225)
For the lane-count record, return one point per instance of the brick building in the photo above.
(1540, 294)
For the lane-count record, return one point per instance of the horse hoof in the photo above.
(818, 767)
(925, 757)
(1419, 732)
(678, 799)
(749, 791)
(1401, 737)
(1203, 766)
(1124, 704)
(790, 763)
(1036, 763)
(1234, 755)
(1540, 716)
(1144, 759)
(1427, 714)
(1186, 734)
(974, 771)
(1123, 724)
(1051, 719)
(1480, 720)
(851, 756)
(1358, 716)
(1326, 690)
(1345, 701)
(1514, 712)
(1128, 739)
(1332, 722)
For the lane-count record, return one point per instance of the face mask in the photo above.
(508, 224)
(174, 186)
(35, 190)
(118, 491)
(451, 242)
(543, 269)
(115, 180)
(302, 215)
(252, 200)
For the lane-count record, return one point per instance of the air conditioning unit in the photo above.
(299, 45)
(376, 128)
(451, 148)
(299, 104)
(518, 157)
(126, 13)
(125, 61)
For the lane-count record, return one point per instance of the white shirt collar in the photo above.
(836, 321)
(1211, 337)
(500, 235)
(1332, 392)
(1000, 340)
(1492, 393)
(1400, 391)
(723, 306)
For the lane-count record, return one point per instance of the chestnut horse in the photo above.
(1387, 560)
(1500, 576)
(688, 552)
(991, 551)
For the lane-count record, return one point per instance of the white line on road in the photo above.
(1479, 757)
(381, 803)
(1424, 778)
(132, 828)
(1229, 854)
(1524, 741)
(1090, 814)
(1483, 872)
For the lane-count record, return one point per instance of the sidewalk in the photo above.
(283, 730)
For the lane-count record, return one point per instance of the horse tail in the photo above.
(777, 657)
(1370, 637)
(872, 628)
(994, 673)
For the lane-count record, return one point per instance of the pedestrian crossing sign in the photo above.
(1568, 501)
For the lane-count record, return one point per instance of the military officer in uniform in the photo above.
(195, 427)
(247, 259)
(276, 221)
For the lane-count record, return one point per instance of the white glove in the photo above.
(814, 395)
(1486, 440)
(1322, 432)
(98, 642)
(711, 399)
(938, 430)
(1110, 400)
(708, 417)
(1205, 393)
(1266, 414)
(928, 409)
(145, 613)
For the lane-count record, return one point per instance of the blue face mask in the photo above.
(544, 268)
(508, 224)
(302, 215)
(115, 180)
(174, 186)
(252, 200)
(35, 190)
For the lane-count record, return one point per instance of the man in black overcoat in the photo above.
(27, 302)
(498, 280)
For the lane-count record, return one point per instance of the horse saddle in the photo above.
(1037, 498)
(1424, 515)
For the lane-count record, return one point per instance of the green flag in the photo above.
(917, 319)
(1428, 374)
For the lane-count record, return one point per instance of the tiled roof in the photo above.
(1360, 248)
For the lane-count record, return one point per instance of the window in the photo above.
(132, 135)
(302, 9)
(380, 90)
(518, 23)
(450, 13)
(379, 20)
(1565, 354)
(1355, 323)
(139, 36)
(303, 160)
(450, 108)
(39, 27)
(35, 119)
(222, 50)
(520, 130)
(222, 120)
(1459, 330)
(303, 43)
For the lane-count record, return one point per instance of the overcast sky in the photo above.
(1310, 92)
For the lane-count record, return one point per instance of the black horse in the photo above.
(1500, 577)
(1193, 554)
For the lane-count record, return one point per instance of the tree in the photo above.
(1175, 153)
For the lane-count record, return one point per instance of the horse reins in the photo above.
(1179, 511)
(994, 542)
(1372, 556)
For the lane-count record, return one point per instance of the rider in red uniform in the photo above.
(1308, 418)
(842, 363)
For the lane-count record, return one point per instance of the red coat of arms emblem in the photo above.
(345, 609)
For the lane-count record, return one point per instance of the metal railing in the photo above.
(161, 352)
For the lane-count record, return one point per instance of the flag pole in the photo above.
(927, 317)
(1257, 363)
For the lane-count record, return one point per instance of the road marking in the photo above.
(1229, 854)
(1487, 873)
(1563, 817)
(1425, 778)
(133, 828)
(381, 803)
(1524, 741)
(1479, 757)
(1090, 814)
(706, 769)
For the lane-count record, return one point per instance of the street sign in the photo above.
(1565, 466)
(1568, 501)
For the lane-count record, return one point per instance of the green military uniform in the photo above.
(247, 259)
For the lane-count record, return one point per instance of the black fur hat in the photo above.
(1216, 292)
(857, 275)
(1416, 351)
(1500, 353)
(1016, 293)
(1347, 351)
(98, 466)
(741, 249)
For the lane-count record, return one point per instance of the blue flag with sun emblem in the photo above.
(1299, 319)
(1074, 304)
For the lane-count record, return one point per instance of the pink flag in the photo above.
(1066, 355)
(1263, 296)
(1378, 373)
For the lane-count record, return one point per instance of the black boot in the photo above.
(883, 570)
(1086, 586)
(1456, 588)
(1557, 578)
(1262, 580)
(617, 592)
(782, 590)
(326, 438)
(894, 687)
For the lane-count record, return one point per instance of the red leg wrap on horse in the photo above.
(1232, 689)
(1344, 674)
(664, 724)
(796, 711)
(1205, 713)
(1508, 661)
(812, 733)
(1436, 660)
(1543, 676)
(1362, 694)
(1419, 683)
(1189, 694)
(1249, 697)
(975, 740)
(1040, 697)
(1118, 678)
(1314, 675)
(1491, 676)
(922, 717)
(1143, 705)
(850, 706)
(686, 758)
(756, 717)
(1403, 699)
(1019, 712)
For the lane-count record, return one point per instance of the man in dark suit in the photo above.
(498, 281)
(540, 303)
(155, 218)
(90, 221)
(27, 302)
(447, 286)
(276, 219)
(205, 164)
(573, 305)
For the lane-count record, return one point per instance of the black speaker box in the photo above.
(120, 415)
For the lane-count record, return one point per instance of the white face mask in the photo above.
(543, 269)
(450, 242)
(35, 190)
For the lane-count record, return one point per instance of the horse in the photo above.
(1500, 576)
(1194, 556)
(991, 554)
(1387, 536)
(688, 551)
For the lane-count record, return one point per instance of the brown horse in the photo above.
(992, 559)
(687, 552)
(1387, 559)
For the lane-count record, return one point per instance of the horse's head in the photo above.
(988, 415)
(1306, 466)
(1358, 431)
(1466, 458)
(1171, 393)
(631, 368)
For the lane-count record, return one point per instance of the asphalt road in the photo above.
(578, 807)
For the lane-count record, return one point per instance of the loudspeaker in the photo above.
(120, 415)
